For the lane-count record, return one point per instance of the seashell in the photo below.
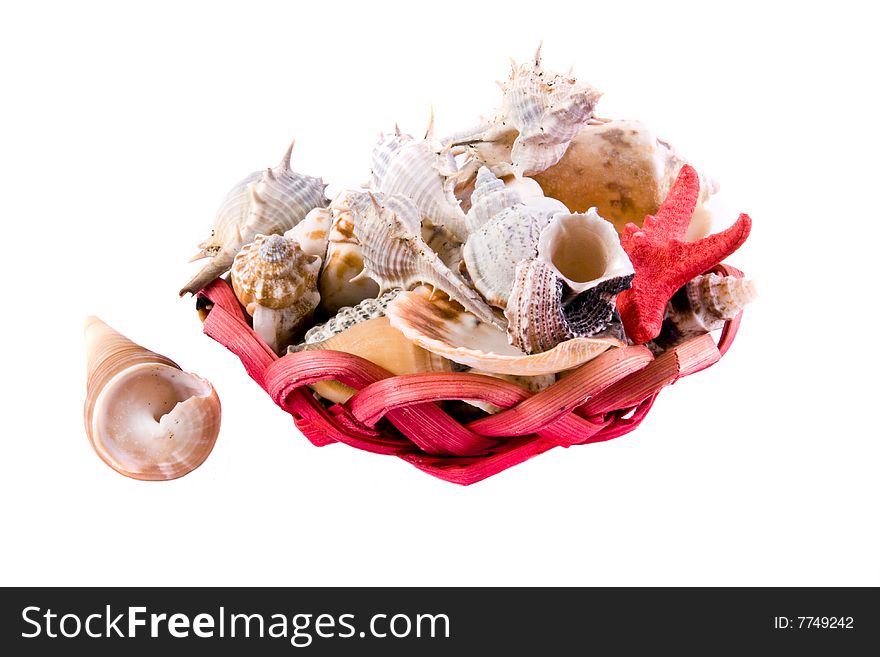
(313, 232)
(539, 319)
(348, 317)
(395, 254)
(277, 284)
(375, 340)
(625, 171)
(266, 202)
(511, 235)
(441, 326)
(341, 282)
(704, 304)
(490, 197)
(585, 252)
(418, 170)
(540, 114)
(145, 417)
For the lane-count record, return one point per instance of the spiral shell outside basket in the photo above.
(606, 397)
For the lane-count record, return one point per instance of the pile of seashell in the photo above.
(501, 249)
(495, 249)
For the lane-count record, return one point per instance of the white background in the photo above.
(123, 127)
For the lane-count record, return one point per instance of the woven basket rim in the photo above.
(602, 399)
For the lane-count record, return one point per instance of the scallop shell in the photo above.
(341, 282)
(266, 202)
(443, 327)
(277, 284)
(540, 113)
(313, 232)
(418, 170)
(348, 317)
(624, 170)
(145, 417)
(395, 254)
(704, 304)
(375, 340)
(511, 235)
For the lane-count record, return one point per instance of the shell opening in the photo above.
(155, 422)
(580, 254)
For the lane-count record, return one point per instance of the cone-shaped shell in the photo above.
(266, 202)
(144, 416)
(375, 340)
(707, 301)
(624, 170)
(443, 327)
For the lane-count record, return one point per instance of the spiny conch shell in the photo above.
(395, 254)
(145, 417)
(422, 171)
(624, 170)
(533, 384)
(348, 317)
(443, 327)
(540, 113)
(511, 235)
(313, 232)
(341, 283)
(375, 340)
(266, 202)
(277, 284)
(704, 304)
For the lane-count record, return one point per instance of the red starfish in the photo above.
(664, 262)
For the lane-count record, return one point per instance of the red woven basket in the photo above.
(399, 415)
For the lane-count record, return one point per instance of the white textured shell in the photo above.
(584, 250)
(341, 283)
(396, 255)
(347, 317)
(277, 284)
(540, 113)
(266, 202)
(711, 300)
(445, 328)
(313, 232)
(144, 416)
(423, 172)
(510, 235)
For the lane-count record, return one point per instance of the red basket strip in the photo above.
(605, 398)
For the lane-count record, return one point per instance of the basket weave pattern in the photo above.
(605, 398)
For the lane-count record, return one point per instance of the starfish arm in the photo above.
(672, 219)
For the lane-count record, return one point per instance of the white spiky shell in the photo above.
(341, 282)
(443, 327)
(395, 253)
(145, 417)
(625, 170)
(511, 235)
(277, 284)
(266, 202)
(540, 113)
(422, 171)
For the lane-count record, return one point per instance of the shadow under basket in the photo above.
(399, 415)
